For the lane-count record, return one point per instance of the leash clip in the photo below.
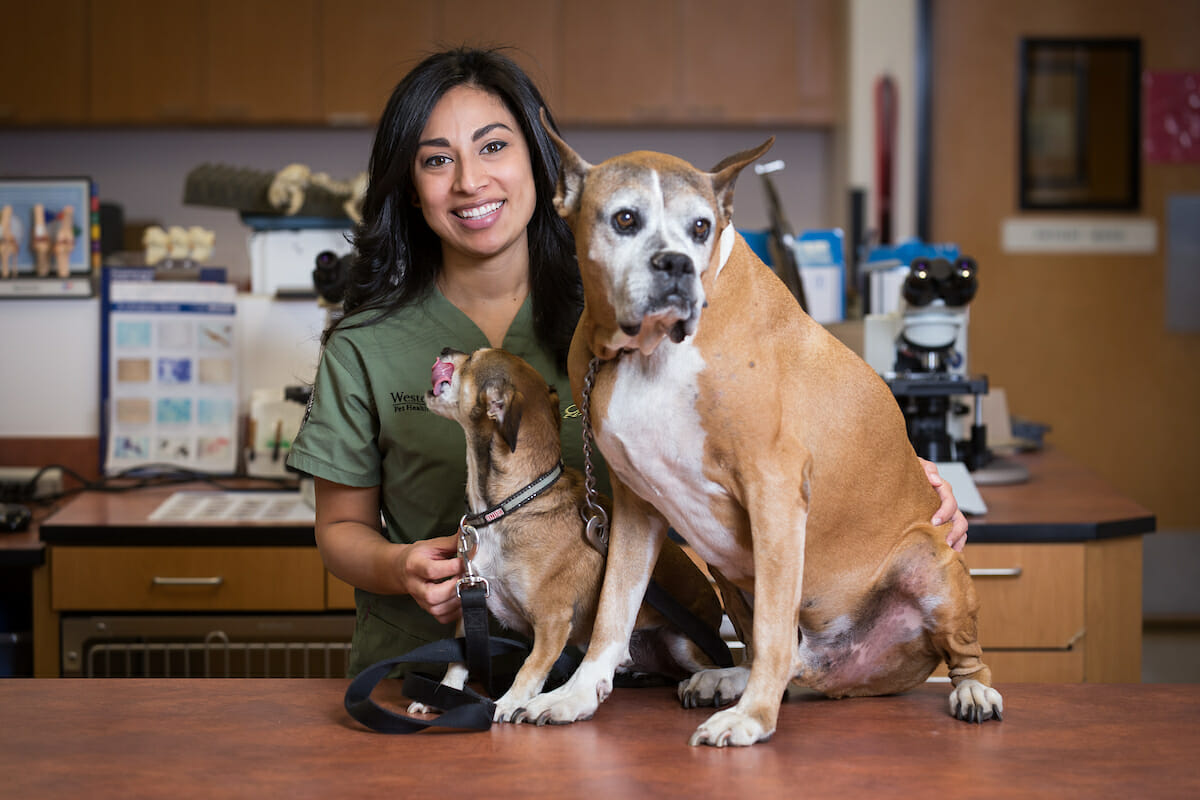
(468, 544)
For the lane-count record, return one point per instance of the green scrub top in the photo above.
(367, 425)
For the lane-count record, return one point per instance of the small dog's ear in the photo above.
(572, 172)
(725, 174)
(504, 404)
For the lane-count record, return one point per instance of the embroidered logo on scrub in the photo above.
(406, 401)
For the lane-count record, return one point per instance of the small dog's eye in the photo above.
(626, 221)
(700, 229)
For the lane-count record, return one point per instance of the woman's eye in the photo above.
(494, 147)
(437, 161)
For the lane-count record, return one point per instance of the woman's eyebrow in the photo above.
(475, 137)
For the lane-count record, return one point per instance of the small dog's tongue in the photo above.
(442, 372)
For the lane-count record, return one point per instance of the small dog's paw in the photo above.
(730, 728)
(509, 708)
(421, 708)
(971, 701)
(713, 687)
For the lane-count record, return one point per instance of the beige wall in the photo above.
(1079, 341)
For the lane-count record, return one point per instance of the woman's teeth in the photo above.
(478, 211)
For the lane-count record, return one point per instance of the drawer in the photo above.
(1030, 595)
(186, 579)
(338, 593)
(1031, 666)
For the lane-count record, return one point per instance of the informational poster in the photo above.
(170, 375)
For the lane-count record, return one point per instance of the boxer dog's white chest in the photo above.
(652, 438)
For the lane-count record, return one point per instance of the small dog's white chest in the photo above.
(653, 439)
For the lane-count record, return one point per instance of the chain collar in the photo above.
(597, 519)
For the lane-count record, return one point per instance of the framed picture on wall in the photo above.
(46, 237)
(1079, 124)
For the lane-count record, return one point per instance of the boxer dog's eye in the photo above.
(626, 221)
(700, 229)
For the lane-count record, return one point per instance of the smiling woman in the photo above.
(459, 247)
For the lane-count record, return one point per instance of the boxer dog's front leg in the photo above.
(778, 519)
(637, 535)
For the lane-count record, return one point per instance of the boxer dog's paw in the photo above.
(713, 687)
(730, 728)
(574, 701)
(971, 701)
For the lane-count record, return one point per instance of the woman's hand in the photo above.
(957, 537)
(429, 569)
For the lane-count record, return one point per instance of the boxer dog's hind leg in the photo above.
(955, 635)
(722, 687)
(637, 535)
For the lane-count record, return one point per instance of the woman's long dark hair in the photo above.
(398, 257)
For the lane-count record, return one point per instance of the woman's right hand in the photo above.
(429, 570)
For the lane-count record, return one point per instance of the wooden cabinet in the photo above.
(209, 61)
(701, 61)
(43, 59)
(186, 579)
(1065, 612)
(261, 63)
(621, 62)
(335, 62)
(145, 64)
(528, 30)
(365, 48)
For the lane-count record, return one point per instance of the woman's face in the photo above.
(473, 176)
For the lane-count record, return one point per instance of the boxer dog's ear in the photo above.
(504, 404)
(571, 174)
(725, 174)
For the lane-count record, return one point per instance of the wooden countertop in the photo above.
(1062, 502)
(292, 738)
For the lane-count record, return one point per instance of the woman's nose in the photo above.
(472, 176)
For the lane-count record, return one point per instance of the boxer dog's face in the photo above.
(652, 227)
(648, 227)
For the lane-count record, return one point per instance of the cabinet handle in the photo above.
(1002, 572)
(214, 581)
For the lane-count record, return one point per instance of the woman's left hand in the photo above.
(949, 510)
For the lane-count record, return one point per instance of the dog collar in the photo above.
(515, 501)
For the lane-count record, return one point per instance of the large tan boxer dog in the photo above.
(779, 455)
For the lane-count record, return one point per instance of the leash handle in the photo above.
(464, 709)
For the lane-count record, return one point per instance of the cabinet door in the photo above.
(620, 62)
(146, 61)
(765, 61)
(260, 65)
(43, 58)
(530, 28)
(366, 47)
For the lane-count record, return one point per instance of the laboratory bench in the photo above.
(1057, 562)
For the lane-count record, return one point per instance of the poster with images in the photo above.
(170, 383)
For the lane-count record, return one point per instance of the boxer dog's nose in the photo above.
(674, 264)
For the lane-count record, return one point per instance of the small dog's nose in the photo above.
(674, 264)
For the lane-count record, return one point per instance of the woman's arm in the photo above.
(353, 547)
(957, 537)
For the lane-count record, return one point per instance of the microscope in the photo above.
(928, 371)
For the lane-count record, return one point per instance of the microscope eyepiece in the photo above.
(932, 278)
